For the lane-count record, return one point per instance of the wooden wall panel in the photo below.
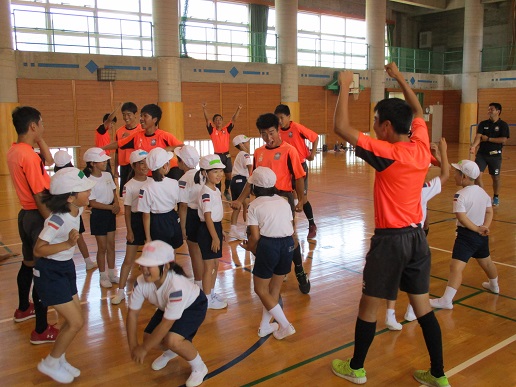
(507, 98)
(141, 93)
(193, 95)
(312, 108)
(451, 115)
(261, 99)
(232, 96)
(54, 99)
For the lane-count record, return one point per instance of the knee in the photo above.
(76, 324)
(174, 342)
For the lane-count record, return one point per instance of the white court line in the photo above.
(480, 356)
(505, 264)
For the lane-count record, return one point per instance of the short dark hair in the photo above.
(215, 116)
(261, 191)
(156, 175)
(282, 109)
(397, 111)
(496, 105)
(266, 121)
(106, 117)
(129, 107)
(56, 203)
(23, 116)
(56, 168)
(153, 110)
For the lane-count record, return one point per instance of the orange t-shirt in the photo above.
(102, 137)
(121, 133)
(220, 138)
(28, 174)
(296, 135)
(283, 160)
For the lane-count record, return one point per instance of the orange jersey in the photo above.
(296, 135)
(283, 160)
(121, 133)
(160, 139)
(102, 137)
(220, 138)
(28, 174)
(401, 168)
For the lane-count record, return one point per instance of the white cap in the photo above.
(96, 155)
(211, 162)
(137, 155)
(188, 154)
(263, 177)
(156, 253)
(69, 179)
(240, 139)
(468, 167)
(158, 157)
(61, 158)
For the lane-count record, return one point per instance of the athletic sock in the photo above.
(88, 260)
(279, 316)
(226, 185)
(307, 209)
(52, 361)
(495, 196)
(24, 280)
(111, 273)
(433, 340)
(196, 363)
(364, 335)
(493, 282)
(449, 293)
(40, 312)
(298, 261)
(266, 317)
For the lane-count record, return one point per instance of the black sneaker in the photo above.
(304, 282)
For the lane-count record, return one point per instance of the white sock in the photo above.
(169, 354)
(449, 293)
(112, 272)
(233, 228)
(266, 318)
(103, 275)
(198, 283)
(196, 363)
(493, 282)
(52, 361)
(279, 316)
(88, 260)
(121, 291)
(390, 315)
(296, 201)
(212, 293)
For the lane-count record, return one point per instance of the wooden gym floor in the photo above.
(479, 334)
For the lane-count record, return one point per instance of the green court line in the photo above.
(6, 248)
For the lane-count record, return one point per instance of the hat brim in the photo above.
(218, 166)
(151, 261)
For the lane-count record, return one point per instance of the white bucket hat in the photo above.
(156, 253)
(69, 180)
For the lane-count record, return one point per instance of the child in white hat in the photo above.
(242, 168)
(189, 188)
(270, 221)
(63, 159)
(158, 199)
(209, 236)
(133, 218)
(54, 272)
(104, 208)
(181, 311)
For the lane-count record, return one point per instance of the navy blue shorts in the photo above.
(493, 163)
(30, 224)
(125, 171)
(204, 240)
(138, 230)
(273, 256)
(226, 160)
(102, 222)
(55, 281)
(193, 222)
(397, 258)
(190, 321)
(237, 186)
(470, 244)
(166, 228)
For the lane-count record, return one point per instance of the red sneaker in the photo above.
(312, 232)
(49, 335)
(20, 316)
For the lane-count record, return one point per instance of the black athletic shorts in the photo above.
(493, 162)
(226, 160)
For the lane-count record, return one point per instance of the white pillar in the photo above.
(286, 28)
(472, 54)
(376, 11)
(9, 89)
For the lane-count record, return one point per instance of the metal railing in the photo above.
(498, 58)
(425, 61)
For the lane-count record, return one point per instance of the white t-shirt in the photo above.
(131, 193)
(210, 201)
(188, 190)
(272, 214)
(175, 295)
(472, 200)
(56, 230)
(430, 189)
(158, 197)
(242, 160)
(102, 192)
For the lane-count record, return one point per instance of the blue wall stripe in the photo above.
(424, 81)
(507, 79)
(214, 71)
(123, 67)
(59, 65)
(251, 72)
(318, 76)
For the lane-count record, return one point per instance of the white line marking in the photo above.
(505, 264)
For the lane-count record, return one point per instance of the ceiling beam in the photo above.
(430, 4)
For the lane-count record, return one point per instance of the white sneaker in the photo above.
(281, 333)
(218, 297)
(393, 325)
(119, 297)
(213, 303)
(90, 265)
(59, 374)
(409, 314)
(197, 377)
(114, 279)
(487, 285)
(74, 371)
(105, 282)
(262, 332)
(441, 303)
(162, 361)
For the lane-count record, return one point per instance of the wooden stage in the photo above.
(479, 334)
